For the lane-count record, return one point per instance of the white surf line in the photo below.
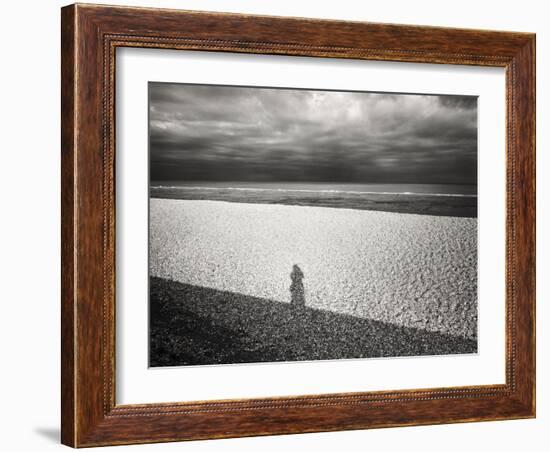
(407, 193)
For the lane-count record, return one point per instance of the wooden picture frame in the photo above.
(90, 36)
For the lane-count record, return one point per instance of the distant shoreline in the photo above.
(302, 190)
(437, 204)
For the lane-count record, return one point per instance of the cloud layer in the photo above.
(220, 133)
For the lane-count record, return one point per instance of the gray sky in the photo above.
(217, 133)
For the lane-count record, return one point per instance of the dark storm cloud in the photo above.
(216, 133)
(466, 102)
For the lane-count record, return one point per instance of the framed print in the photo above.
(281, 225)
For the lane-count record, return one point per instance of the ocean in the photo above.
(422, 199)
(314, 187)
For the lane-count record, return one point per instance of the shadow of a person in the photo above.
(297, 295)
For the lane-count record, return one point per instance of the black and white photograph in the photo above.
(303, 225)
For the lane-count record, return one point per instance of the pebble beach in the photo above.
(412, 271)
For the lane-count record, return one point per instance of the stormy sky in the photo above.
(204, 133)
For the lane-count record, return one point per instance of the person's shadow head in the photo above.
(297, 294)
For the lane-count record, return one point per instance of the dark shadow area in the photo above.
(192, 325)
(50, 433)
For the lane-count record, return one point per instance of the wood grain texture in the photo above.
(67, 226)
(90, 36)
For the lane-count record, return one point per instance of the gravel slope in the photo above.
(409, 270)
(192, 325)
